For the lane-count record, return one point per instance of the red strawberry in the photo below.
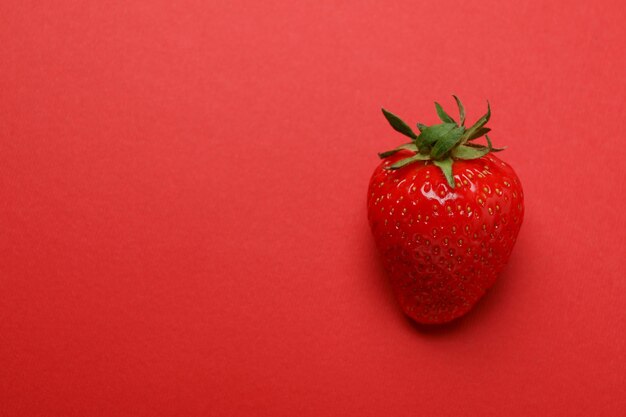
(445, 213)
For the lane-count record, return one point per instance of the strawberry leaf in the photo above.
(446, 167)
(461, 111)
(469, 152)
(491, 148)
(443, 115)
(398, 124)
(447, 142)
(478, 133)
(479, 124)
(421, 126)
(432, 134)
(404, 162)
(407, 146)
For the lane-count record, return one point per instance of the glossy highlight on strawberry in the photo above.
(444, 236)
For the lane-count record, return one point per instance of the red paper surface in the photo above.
(182, 208)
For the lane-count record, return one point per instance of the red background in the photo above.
(182, 208)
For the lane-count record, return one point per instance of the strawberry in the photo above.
(445, 213)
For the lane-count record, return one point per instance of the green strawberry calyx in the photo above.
(442, 143)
